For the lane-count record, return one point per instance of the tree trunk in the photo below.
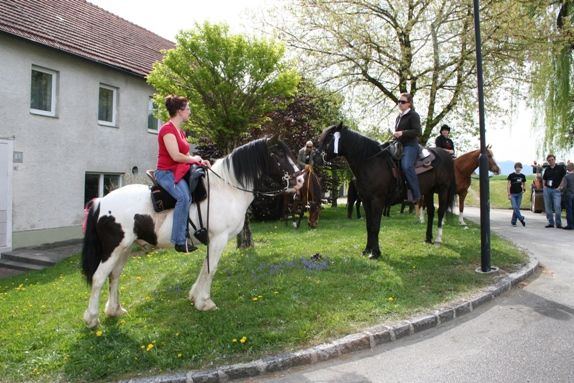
(245, 237)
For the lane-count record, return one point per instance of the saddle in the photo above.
(162, 200)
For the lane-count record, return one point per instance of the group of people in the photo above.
(174, 163)
(557, 181)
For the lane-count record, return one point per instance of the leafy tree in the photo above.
(553, 77)
(232, 82)
(379, 48)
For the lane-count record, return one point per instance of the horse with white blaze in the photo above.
(126, 215)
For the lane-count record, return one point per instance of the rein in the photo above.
(272, 193)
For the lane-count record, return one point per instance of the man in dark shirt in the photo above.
(552, 195)
(516, 182)
(443, 141)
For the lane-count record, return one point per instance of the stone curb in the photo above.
(366, 339)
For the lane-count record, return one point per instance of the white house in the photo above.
(75, 111)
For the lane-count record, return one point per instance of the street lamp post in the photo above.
(483, 160)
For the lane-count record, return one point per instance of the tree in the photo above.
(553, 77)
(425, 47)
(232, 82)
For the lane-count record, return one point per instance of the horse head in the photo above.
(329, 141)
(282, 165)
(492, 165)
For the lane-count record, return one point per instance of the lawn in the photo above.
(273, 298)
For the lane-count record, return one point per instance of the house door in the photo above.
(6, 194)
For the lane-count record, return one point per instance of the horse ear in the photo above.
(274, 139)
(339, 127)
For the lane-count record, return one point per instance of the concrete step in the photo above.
(33, 258)
(24, 266)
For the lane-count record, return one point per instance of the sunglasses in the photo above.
(402, 102)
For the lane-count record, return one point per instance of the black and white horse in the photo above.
(126, 215)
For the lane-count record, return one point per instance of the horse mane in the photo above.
(365, 146)
(247, 163)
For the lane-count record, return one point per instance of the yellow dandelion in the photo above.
(99, 333)
(260, 297)
(138, 278)
(179, 355)
(243, 340)
(149, 347)
(176, 334)
(275, 292)
(254, 299)
(391, 299)
(234, 340)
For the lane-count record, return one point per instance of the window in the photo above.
(107, 105)
(43, 91)
(100, 184)
(152, 122)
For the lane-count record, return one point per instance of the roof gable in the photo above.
(86, 30)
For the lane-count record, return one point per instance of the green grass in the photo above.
(272, 297)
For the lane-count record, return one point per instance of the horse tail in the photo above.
(91, 249)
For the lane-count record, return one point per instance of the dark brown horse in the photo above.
(306, 198)
(377, 185)
(353, 199)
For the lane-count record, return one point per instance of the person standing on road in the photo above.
(552, 197)
(515, 188)
(567, 187)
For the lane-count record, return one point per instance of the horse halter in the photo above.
(271, 193)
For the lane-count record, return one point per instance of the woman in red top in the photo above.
(173, 162)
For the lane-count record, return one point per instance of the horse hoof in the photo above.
(207, 305)
(374, 256)
(429, 241)
(117, 312)
(91, 321)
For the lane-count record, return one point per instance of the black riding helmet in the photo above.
(445, 127)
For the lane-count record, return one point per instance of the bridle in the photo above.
(271, 193)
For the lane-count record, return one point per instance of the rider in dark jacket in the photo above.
(443, 141)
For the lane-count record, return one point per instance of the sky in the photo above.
(514, 138)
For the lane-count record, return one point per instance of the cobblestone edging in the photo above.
(366, 339)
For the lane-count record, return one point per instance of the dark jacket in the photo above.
(410, 125)
(445, 143)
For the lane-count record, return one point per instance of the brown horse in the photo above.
(306, 198)
(464, 166)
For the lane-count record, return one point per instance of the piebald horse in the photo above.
(126, 215)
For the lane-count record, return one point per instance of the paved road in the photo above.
(525, 335)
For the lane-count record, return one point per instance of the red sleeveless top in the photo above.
(164, 160)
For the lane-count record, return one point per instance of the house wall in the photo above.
(48, 185)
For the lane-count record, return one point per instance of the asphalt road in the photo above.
(525, 335)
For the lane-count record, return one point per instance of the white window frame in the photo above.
(150, 110)
(101, 181)
(114, 121)
(54, 74)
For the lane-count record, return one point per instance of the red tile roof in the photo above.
(84, 29)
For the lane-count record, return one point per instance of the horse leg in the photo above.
(461, 198)
(442, 208)
(104, 269)
(113, 306)
(420, 212)
(200, 293)
(374, 212)
(430, 216)
(358, 209)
